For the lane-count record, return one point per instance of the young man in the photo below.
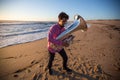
(54, 31)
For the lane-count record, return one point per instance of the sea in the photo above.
(16, 32)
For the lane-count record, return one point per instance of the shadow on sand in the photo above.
(72, 75)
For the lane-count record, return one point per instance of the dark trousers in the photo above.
(62, 54)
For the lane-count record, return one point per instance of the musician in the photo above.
(54, 31)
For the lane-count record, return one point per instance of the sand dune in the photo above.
(93, 55)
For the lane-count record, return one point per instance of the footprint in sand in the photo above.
(15, 75)
(11, 58)
(117, 66)
(33, 61)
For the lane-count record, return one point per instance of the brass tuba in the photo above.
(69, 37)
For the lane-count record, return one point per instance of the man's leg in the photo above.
(51, 58)
(65, 59)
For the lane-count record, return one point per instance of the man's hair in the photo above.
(63, 15)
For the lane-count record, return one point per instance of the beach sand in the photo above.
(93, 55)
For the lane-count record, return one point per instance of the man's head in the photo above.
(63, 17)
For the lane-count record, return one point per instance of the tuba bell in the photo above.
(82, 26)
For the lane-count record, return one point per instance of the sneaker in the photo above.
(50, 71)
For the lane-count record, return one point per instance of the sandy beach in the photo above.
(93, 55)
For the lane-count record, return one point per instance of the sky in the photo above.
(48, 10)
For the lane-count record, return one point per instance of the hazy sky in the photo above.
(45, 10)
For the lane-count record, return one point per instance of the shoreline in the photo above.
(22, 43)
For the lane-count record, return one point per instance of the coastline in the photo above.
(93, 55)
(22, 43)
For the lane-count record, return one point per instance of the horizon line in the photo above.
(52, 20)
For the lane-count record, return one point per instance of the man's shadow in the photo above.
(72, 75)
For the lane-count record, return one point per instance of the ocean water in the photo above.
(15, 32)
(12, 33)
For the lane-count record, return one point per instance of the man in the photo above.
(54, 31)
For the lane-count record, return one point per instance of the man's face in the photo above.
(63, 21)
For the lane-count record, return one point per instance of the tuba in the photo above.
(82, 26)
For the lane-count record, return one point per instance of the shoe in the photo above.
(68, 69)
(50, 72)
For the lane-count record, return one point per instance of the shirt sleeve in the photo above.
(51, 37)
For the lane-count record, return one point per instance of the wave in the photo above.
(24, 33)
(25, 23)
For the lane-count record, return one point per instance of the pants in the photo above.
(62, 54)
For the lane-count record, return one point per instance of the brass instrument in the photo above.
(69, 37)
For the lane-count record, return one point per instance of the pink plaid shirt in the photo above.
(54, 31)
